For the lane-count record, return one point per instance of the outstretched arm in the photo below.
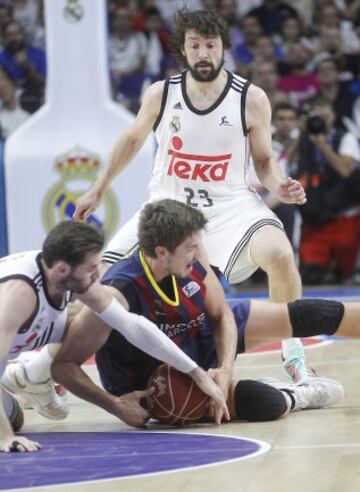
(125, 149)
(225, 333)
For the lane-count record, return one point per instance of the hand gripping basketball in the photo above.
(177, 400)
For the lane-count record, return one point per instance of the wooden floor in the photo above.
(312, 451)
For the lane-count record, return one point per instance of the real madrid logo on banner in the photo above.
(77, 169)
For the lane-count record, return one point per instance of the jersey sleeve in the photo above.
(127, 289)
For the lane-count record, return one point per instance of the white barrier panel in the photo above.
(58, 152)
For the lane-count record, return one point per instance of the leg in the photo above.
(32, 380)
(270, 322)
(272, 251)
(267, 399)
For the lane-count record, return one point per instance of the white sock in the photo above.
(38, 368)
(289, 401)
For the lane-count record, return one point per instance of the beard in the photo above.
(207, 75)
(74, 284)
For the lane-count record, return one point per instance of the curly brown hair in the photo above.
(208, 23)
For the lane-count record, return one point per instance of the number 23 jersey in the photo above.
(203, 155)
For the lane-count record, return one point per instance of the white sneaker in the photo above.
(295, 364)
(41, 395)
(316, 392)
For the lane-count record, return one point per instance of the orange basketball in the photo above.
(177, 400)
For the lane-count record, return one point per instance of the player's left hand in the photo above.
(222, 378)
(291, 191)
(207, 384)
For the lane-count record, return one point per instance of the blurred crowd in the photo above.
(305, 54)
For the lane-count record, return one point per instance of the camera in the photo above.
(315, 124)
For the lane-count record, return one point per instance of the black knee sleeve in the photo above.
(256, 401)
(311, 317)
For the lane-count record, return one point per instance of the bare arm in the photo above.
(17, 303)
(258, 117)
(223, 323)
(125, 149)
(342, 164)
(85, 336)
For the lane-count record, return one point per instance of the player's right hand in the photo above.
(128, 408)
(20, 444)
(86, 204)
(208, 386)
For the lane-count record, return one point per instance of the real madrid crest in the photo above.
(174, 124)
(77, 169)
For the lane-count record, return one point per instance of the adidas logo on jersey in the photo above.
(177, 105)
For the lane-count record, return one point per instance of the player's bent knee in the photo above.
(258, 402)
(310, 317)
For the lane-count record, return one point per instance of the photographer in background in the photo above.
(328, 168)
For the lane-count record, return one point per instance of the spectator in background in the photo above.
(329, 19)
(284, 142)
(327, 160)
(352, 12)
(153, 25)
(266, 76)
(26, 12)
(245, 51)
(228, 11)
(11, 114)
(25, 65)
(328, 40)
(38, 35)
(267, 50)
(338, 94)
(272, 13)
(291, 31)
(5, 18)
(127, 53)
(301, 84)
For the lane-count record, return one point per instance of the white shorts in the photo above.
(227, 239)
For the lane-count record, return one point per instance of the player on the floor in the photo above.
(35, 289)
(165, 281)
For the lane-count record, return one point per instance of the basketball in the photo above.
(177, 400)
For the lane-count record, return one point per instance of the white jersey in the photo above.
(203, 155)
(47, 322)
(203, 160)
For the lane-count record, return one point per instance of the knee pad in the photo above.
(258, 402)
(311, 317)
(13, 411)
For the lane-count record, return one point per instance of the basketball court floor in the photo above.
(307, 451)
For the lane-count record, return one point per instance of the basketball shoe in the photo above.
(295, 364)
(316, 392)
(42, 396)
